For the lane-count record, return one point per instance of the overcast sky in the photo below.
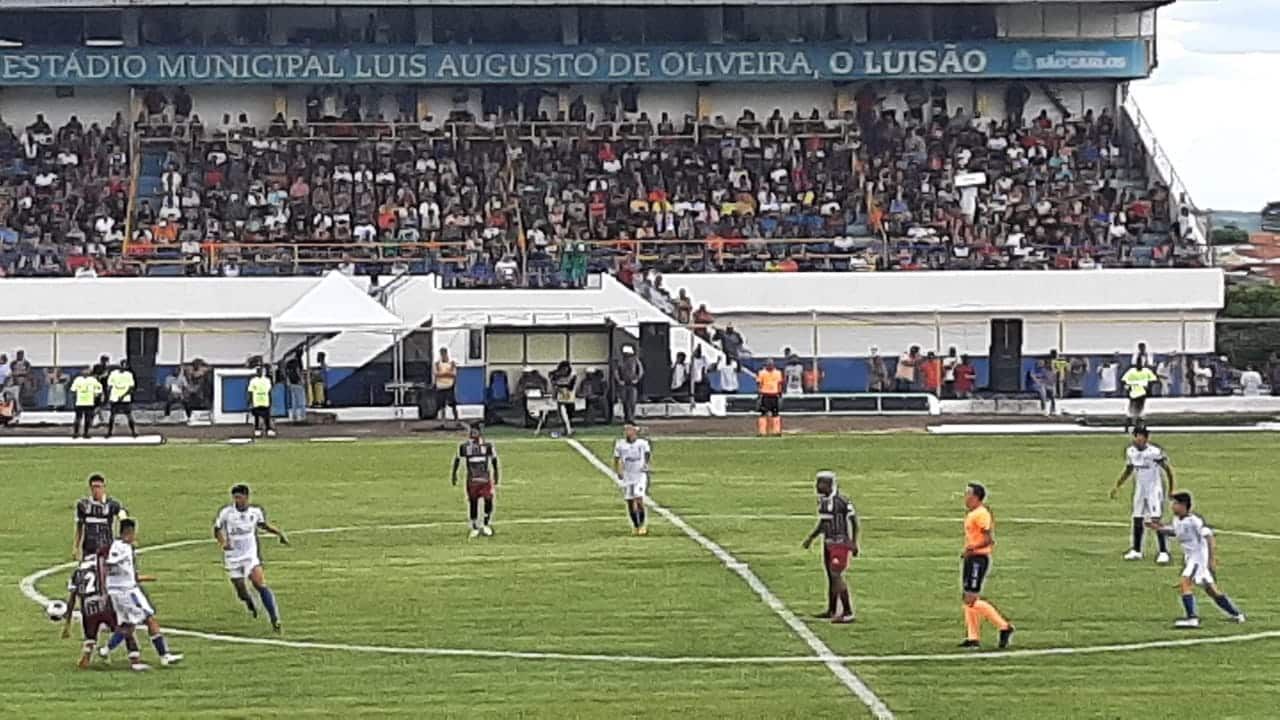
(1215, 99)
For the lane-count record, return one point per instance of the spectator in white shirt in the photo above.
(1250, 380)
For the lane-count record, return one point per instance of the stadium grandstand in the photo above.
(532, 144)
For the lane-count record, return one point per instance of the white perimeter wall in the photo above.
(79, 343)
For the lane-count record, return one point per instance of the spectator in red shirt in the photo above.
(966, 375)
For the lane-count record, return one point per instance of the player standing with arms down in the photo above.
(631, 456)
(1200, 548)
(236, 530)
(89, 584)
(769, 387)
(480, 457)
(127, 599)
(1147, 461)
(838, 526)
(95, 517)
(979, 541)
(120, 385)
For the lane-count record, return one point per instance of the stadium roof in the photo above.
(99, 4)
(142, 299)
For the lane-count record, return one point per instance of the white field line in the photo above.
(820, 649)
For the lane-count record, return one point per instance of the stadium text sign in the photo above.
(450, 64)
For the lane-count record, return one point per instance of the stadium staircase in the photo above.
(150, 186)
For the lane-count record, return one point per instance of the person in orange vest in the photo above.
(769, 387)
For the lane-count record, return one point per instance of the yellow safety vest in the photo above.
(260, 390)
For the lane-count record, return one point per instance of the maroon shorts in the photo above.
(479, 490)
(838, 557)
(94, 624)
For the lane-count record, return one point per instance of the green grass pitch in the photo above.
(564, 575)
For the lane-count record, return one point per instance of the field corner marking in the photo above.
(828, 657)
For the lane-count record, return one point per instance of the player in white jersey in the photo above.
(236, 530)
(132, 606)
(1200, 551)
(1146, 462)
(631, 456)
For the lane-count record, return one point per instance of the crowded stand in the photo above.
(523, 196)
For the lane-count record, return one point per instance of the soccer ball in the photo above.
(57, 611)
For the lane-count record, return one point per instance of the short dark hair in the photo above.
(239, 489)
(128, 524)
(96, 478)
(1140, 429)
(978, 490)
(1182, 497)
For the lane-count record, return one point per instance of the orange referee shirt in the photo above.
(976, 522)
(769, 381)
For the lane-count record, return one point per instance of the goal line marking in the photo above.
(820, 649)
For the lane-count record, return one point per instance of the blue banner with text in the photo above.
(447, 65)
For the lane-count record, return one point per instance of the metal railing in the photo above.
(1179, 193)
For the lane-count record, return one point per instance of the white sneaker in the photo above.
(1133, 555)
(171, 659)
(271, 433)
(474, 533)
(139, 667)
(257, 433)
(1162, 558)
(1239, 619)
(1193, 622)
(486, 531)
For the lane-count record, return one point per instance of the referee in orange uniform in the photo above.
(769, 387)
(978, 544)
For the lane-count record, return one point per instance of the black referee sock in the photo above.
(1163, 543)
(641, 517)
(1138, 531)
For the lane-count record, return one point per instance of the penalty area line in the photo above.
(820, 649)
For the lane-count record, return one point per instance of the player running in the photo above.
(979, 541)
(236, 530)
(95, 517)
(480, 457)
(130, 603)
(1147, 461)
(1200, 553)
(89, 584)
(838, 526)
(631, 456)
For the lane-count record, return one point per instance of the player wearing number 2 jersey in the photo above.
(88, 584)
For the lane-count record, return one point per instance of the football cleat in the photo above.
(171, 659)
(842, 620)
(971, 644)
(271, 433)
(1005, 635)
(257, 433)
(823, 615)
(1133, 555)
(1186, 623)
(1162, 558)
(83, 663)
(276, 627)
(1238, 618)
(642, 530)
(474, 533)
(486, 531)
(139, 667)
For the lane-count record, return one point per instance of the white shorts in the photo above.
(239, 567)
(1148, 504)
(1197, 568)
(634, 488)
(132, 606)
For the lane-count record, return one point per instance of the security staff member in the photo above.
(769, 386)
(627, 375)
(1138, 381)
(86, 390)
(120, 385)
(260, 403)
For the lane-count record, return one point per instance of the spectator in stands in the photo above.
(905, 373)
(680, 377)
(178, 391)
(949, 363)
(22, 379)
(699, 376)
(731, 341)
(1077, 372)
(684, 309)
(702, 320)
(1250, 381)
(966, 378)
(56, 384)
(1109, 378)
(727, 373)
(877, 372)
(930, 372)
